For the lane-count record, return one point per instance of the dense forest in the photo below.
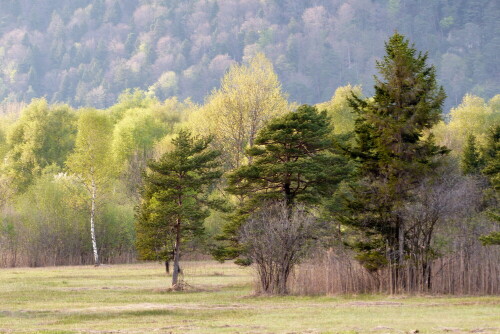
(86, 52)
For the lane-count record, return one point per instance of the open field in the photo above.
(133, 299)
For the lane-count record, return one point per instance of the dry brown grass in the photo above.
(336, 272)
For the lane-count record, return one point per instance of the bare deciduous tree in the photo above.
(437, 202)
(276, 238)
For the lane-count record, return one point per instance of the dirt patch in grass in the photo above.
(377, 303)
(486, 330)
(156, 306)
(95, 288)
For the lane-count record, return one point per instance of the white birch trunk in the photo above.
(92, 222)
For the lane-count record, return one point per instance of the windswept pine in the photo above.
(291, 162)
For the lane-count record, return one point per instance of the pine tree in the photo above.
(391, 150)
(291, 163)
(175, 203)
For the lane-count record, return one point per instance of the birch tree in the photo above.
(91, 161)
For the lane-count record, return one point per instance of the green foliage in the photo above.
(3, 144)
(50, 219)
(131, 99)
(136, 132)
(104, 153)
(290, 161)
(175, 197)
(390, 150)
(473, 116)
(491, 170)
(116, 233)
(370, 253)
(339, 109)
(91, 159)
(249, 96)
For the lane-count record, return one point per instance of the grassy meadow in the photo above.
(219, 299)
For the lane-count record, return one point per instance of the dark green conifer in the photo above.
(471, 158)
(175, 199)
(491, 170)
(391, 151)
(491, 155)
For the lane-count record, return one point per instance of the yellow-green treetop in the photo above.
(474, 116)
(339, 110)
(249, 95)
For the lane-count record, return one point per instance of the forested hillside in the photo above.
(86, 52)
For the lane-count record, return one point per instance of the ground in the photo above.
(219, 299)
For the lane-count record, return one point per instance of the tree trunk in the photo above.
(167, 266)
(175, 274)
(401, 255)
(92, 223)
(427, 279)
(282, 279)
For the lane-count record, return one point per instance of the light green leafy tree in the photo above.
(249, 96)
(473, 116)
(342, 115)
(43, 136)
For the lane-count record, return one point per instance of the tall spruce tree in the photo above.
(392, 153)
(292, 162)
(175, 199)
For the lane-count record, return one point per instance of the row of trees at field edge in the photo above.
(55, 162)
(295, 173)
